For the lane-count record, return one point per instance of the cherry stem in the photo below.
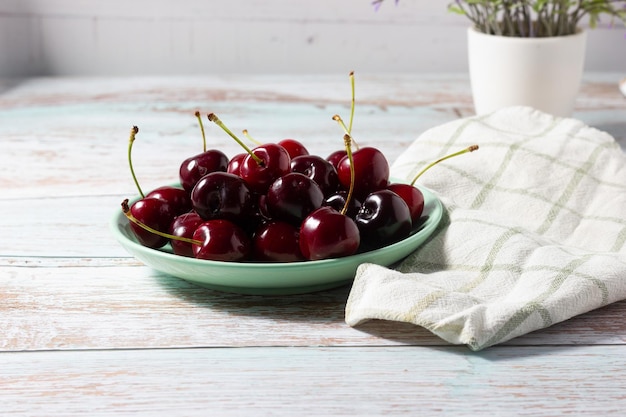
(213, 118)
(352, 103)
(461, 152)
(129, 215)
(347, 140)
(131, 140)
(250, 138)
(339, 120)
(197, 114)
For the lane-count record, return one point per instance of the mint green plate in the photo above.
(275, 278)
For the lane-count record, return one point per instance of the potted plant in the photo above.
(529, 52)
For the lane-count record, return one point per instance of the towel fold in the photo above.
(534, 231)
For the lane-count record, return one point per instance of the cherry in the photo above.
(263, 164)
(177, 197)
(218, 240)
(328, 233)
(276, 241)
(275, 163)
(235, 163)
(221, 240)
(335, 157)
(319, 170)
(184, 226)
(339, 199)
(292, 197)
(412, 196)
(197, 166)
(384, 218)
(262, 208)
(156, 214)
(222, 195)
(293, 147)
(370, 168)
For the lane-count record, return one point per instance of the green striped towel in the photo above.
(534, 231)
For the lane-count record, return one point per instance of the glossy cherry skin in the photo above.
(234, 164)
(220, 195)
(383, 219)
(178, 198)
(155, 213)
(292, 197)
(319, 170)
(275, 163)
(412, 196)
(326, 233)
(222, 240)
(293, 147)
(371, 171)
(197, 166)
(276, 241)
(184, 226)
(335, 157)
(338, 201)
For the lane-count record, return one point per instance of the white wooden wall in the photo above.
(127, 37)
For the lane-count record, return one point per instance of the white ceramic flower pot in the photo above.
(544, 73)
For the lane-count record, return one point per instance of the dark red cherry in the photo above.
(276, 241)
(177, 197)
(335, 157)
(222, 240)
(184, 226)
(293, 147)
(220, 195)
(273, 162)
(154, 213)
(292, 197)
(371, 171)
(326, 233)
(197, 166)
(338, 202)
(261, 206)
(383, 219)
(235, 163)
(412, 196)
(319, 170)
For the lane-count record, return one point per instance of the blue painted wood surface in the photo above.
(87, 329)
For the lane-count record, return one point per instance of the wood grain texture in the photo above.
(364, 381)
(100, 303)
(87, 329)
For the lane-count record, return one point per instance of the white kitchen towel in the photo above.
(534, 231)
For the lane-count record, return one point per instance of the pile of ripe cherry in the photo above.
(277, 203)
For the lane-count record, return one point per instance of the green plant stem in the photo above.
(339, 120)
(129, 215)
(133, 131)
(213, 118)
(197, 114)
(536, 18)
(347, 140)
(351, 103)
(461, 152)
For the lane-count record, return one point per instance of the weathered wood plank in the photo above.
(585, 381)
(87, 329)
(68, 137)
(78, 303)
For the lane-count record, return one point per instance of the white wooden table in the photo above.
(85, 329)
